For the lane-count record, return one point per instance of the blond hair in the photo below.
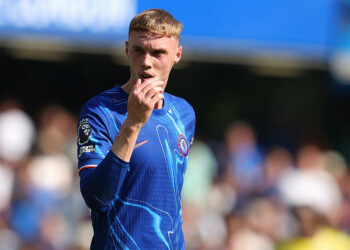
(156, 21)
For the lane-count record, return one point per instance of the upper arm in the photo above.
(93, 140)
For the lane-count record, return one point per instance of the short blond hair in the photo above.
(157, 21)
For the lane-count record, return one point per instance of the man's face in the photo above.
(151, 55)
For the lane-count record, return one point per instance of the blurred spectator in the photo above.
(222, 198)
(244, 160)
(7, 180)
(57, 132)
(212, 230)
(278, 161)
(342, 218)
(51, 176)
(54, 232)
(261, 223)
(17, 132)
(315, 233)
(335, 164)
(204, 228)
(312, 191)
(9, 240)
(191, 217)
(309, 184)
(200, 173)
(83, 233)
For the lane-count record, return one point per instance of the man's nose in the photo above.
(147, 60)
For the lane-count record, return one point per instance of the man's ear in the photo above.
(127, 49)
(178, 54)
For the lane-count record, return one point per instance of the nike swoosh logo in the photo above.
(140, 144)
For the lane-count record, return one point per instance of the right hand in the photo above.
(142, 99)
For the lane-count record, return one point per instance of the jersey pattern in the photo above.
(146, 213)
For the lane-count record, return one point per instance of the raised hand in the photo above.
(142, 100)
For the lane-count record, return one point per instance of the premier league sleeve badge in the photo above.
(84, 131)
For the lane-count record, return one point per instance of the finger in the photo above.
(152, 91)
(137, 85)
(158, 96)
(138, 82)
(145, 86)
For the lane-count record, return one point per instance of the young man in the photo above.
(133, 145)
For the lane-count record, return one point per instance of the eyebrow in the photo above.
(153, 49)
(136, 47)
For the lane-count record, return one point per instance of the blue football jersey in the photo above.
(135, 205)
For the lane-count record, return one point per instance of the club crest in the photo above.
(183, 145)
(84, 131)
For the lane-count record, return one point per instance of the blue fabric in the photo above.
(134, 205)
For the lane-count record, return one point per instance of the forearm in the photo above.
(100, 185)
(125, 141)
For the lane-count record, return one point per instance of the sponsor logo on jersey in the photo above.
(183, 145)
(86, 149)
(84, 131)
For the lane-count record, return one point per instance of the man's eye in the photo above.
(158, 52)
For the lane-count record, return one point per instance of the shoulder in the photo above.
(107, 100)
(185, 113)
(180, 103)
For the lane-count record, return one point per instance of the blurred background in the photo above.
(270, 85)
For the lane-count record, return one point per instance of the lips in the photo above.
(145, 75)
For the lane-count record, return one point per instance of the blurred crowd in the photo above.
(240, 196)
(40, 202)
(237, 195)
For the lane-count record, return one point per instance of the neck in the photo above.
(127, 87)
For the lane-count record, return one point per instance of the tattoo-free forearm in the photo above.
(125, 141)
